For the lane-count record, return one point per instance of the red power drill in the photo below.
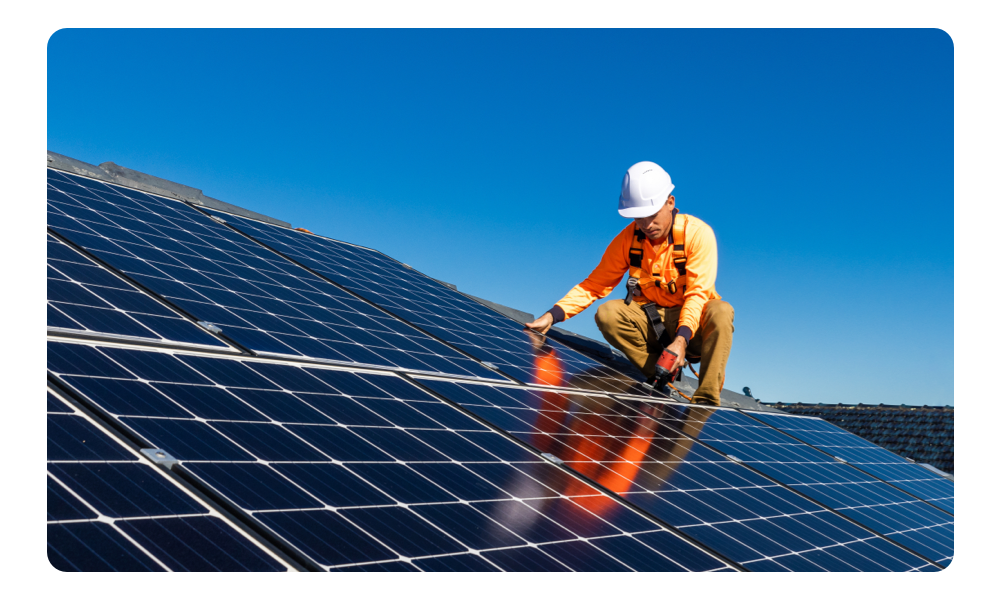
(664, 366)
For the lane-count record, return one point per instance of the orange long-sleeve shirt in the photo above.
(693, 289)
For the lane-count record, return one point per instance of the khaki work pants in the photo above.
(627, 328)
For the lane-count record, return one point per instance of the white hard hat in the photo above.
(645, 190)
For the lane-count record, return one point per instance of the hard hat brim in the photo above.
(639, 212)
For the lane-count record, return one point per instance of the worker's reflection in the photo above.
(623, 445)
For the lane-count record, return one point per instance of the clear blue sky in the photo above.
(824, 161)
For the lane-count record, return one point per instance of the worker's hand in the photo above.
(542, 324)
(678, 347)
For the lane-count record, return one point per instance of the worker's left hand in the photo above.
(678, 347)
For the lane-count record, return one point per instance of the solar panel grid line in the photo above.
(219, 506)
(346, 289)
(87, 478)
(841, 510)
(423, 302)
(110, 522)
(417, 465)
(576, 474)
(864, 540)
(257, 297)
(233, 346)
(849, 442)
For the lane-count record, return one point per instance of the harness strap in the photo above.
(635, 265)
(659, 329)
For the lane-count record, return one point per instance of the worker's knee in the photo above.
(718, 313)
(608, 315)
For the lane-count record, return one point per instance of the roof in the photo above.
(226, 393)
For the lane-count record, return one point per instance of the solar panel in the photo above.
(84, 297)
(358, 470)
(259, 299)
(894, 514)
(874, 460)
(110, 509)
(626, 448)
(440, 311)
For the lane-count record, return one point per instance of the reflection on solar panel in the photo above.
(440, 311)
(259, 299)
(868, 457)
(86, 298)
(109, 509)
(623, 446)
(872, 503)
(358, 470)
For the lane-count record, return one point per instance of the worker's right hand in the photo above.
(542, 324)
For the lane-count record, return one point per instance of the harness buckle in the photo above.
(630, 285)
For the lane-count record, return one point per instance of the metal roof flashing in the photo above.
(123, 176)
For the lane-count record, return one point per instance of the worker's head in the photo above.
(646, 198)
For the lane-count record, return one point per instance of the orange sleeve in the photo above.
(601, 282)
(702, 267)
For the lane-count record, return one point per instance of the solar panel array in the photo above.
(260, 300)
(230, 395)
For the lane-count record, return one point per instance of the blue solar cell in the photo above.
(339, 443)
(72, 438)
(281, 406)
(326, 536)
(201, 266)
(527, 558)
(198, 544)
(186, 440)
(403, 531)
(125, 397)
(91, 546)
(125, 489)
(78, 359)
(334, 484)
(582, 556)
(268, 442)
(64, 506)
(209, 402)
(256, 486)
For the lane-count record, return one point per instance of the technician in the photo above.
(671, 305)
